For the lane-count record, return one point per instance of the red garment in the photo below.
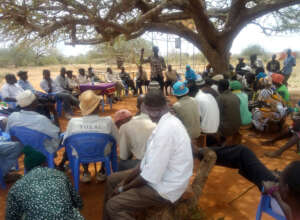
(277, 78)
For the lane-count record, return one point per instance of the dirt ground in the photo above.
(226, 194)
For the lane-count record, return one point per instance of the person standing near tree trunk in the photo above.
(288, 65)
(157, 64)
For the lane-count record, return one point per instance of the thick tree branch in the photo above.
(268, 6)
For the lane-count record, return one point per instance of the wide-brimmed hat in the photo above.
(89, 101)
(25, 98)
(180, 89)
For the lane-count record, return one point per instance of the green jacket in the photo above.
(246, 115)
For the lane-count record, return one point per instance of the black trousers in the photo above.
(242, 158)
(169, 83)
(160, 80)
(140, 83)
(130, 84)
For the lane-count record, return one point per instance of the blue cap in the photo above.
(180, 89)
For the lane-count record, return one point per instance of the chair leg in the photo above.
(107, 167)
(51, 161)
(2, 182)
(102, 104)
(76, 174)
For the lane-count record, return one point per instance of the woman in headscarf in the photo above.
(43, 193)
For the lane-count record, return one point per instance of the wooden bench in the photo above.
(188, 203)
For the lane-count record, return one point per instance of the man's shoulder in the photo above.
(5, 86)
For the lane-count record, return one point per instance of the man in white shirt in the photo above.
(209, 112)
(164, 172)
(91, 123)
(49, 86)
(10, 90)
(28, 118)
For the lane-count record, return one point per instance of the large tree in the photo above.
(211, 25)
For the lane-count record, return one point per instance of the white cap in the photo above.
(25, 98)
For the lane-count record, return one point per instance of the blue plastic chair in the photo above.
(34, 139)
(59, 104)
(265, 206)
(109, 100)
(90, 149)
(2, 182)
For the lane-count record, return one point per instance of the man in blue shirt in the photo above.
(288, 65)
(23, 81)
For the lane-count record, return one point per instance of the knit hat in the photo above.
(122, 114)
(277, 78)
(218, 77)
(235, 85)
(25, 98)
(180, 89)
(32, 158)
(89, 101)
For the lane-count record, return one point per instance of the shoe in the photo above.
(86, 177)
(100, 177)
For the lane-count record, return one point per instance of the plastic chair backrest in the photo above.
(90, 147)
(265, 206)
(30, 137)
(2, 182)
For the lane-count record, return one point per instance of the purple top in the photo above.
(96, 86)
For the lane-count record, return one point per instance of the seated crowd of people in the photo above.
(157, 146)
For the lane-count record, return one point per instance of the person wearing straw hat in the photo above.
(91, 122)
(186, 110)
(43, 193)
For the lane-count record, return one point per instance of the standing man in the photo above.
(273, 66)
(239, 67)
(157, 64)
(165, 170)
(288, 65)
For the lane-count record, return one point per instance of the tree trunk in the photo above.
(217, 55)
(188, 204)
